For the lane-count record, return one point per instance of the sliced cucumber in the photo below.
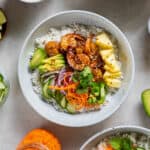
(146, 101)
(3, 89)
(58, 96)
(2, 17)
(1, 77)
(46, 92)
(2, 86)
(2, 94)
(63, 102)
(102, 93)
(70, 108)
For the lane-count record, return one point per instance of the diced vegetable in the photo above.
(37, 58)
(58, 96)
(102, 93)
(95, 88)
(116, 143)
(3, 88)
(2, 17)
(145, 96)
(98, 91)
(70, 108)
(1, 77)
(103, 41)
(123, 143)
(92, 99)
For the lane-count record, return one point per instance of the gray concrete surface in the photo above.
(17, 117)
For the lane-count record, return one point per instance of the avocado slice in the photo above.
(2, 17)
(70, 108)
(146, 101)
(37, 58)
(63, 102)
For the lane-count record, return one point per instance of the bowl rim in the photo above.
(113, 26)
(134, 128)
(31, 2)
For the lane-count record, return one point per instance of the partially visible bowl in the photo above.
(94, 140)
(31, 1)
(46, 110)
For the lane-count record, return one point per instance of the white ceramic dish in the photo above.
(31, 1)
(46, 110)
(91, 142)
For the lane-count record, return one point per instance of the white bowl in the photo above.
(46, 110)
(94, 140)
(31, 1)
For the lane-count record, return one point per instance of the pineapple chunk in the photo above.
(106, 53)
(108, 74)
(103, 41)
(2, 18)
(112, 62)
(110, 59)
(112, 69)
(114, 83)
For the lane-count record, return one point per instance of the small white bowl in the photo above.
(94, 140)
(31, 1)
(46, 110)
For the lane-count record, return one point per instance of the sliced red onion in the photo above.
(60, 76)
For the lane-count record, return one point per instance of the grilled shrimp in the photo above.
(97, 74)
(72, 41)
(90, 47)
(77, 61)
(52, 48)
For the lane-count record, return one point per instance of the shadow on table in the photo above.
(123, 13)
(20, 15)
(146, 49)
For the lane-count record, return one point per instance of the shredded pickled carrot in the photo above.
(78, 100)
(40, 136)
(109, 148)
(68, 87)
